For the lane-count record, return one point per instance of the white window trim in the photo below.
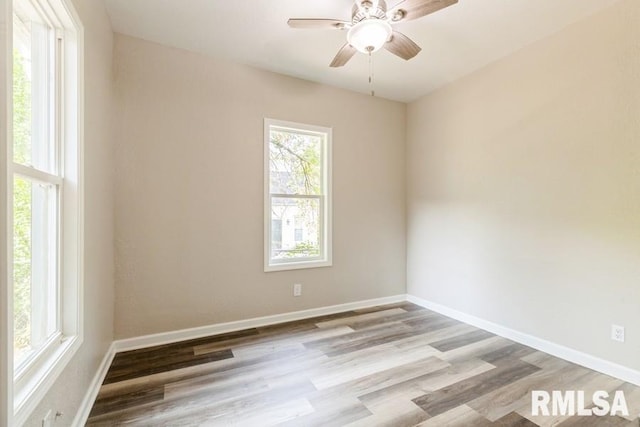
(325, 201)
(35, 381)
(6, 351)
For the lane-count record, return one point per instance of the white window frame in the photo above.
(6, 351)
(32, 381)
(325, 258)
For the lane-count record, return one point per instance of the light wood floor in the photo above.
(396, 365)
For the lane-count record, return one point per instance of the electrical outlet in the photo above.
(617, 333)
(297, 290)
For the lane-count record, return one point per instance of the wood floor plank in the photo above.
(380, 383)
(199, 408)
(424, 338)
(417, 386)
(476, 349)
(334, 413)
(311, 322)
(460, 416)
(458, 341)
(388, 337)
(127, 400)
(144, 355)
(258, 377)
(606, 421)
(345, 341)
(275, 337)
(465, 391)
(405, 305)
(274, 340)
(211, 372)
(392, 414)
(353, 321)
(271, 415)
(418, 317)
(429, 320)
(512, 351)
(361, 363)
(513, 420)
(163, 365)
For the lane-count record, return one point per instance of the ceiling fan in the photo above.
(370, 27)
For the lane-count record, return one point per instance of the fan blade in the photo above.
(343, 56)
(318, 23)
(407, 10)
(402, 46)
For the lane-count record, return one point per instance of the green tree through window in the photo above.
(21, 207)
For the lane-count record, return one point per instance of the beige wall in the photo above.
(524, 189)
(189, 192)
(71, 387)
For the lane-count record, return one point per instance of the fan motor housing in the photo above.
(363, 10)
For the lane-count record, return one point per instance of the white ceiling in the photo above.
(455, 41)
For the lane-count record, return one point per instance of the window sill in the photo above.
(40, 380)
(297, 265)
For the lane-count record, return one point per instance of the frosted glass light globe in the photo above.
(369, 35)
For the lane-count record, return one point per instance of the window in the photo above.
(297, 196)
(45, 187)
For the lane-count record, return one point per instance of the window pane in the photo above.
(21, 108)
(295, 162)
(299, 232)
(34, 266)
(33, 143)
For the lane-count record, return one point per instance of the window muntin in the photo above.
(297, 199)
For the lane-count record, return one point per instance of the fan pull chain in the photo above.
(373, 92)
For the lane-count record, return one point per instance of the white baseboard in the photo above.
(92, 392)
(566, 353)
(222, 328)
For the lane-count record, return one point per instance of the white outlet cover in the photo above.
(297, 289)
(617, 333)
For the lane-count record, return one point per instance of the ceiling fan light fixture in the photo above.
(369, 35)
